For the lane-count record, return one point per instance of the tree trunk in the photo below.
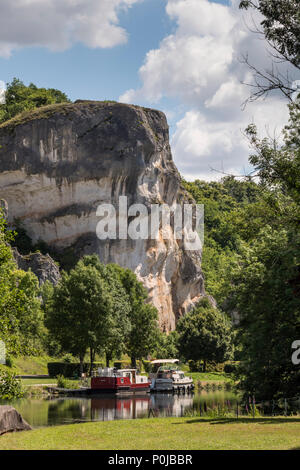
(204, 365)
(81, 359)
(133, 362)
(92, 359)
(108, 358)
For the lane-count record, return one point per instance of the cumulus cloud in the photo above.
(200, 65)
(204, 146)
(58, 24)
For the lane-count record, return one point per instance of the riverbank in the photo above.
(163, 434)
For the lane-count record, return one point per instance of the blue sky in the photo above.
(180, 56)
(88, 73)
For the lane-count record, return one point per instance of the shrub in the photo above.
(214, 367)
(122, 364)
(194, 366)
(9, 362)
(67, 369)
(68, 358)
(62, 382)
(230, 367)
(197, 366)
(147, 366)
(10, 387)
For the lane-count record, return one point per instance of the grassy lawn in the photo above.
(31, 365)
(38, 381)
(209, 376)
(163, 434)
(35, 384)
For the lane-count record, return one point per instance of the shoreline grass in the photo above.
(210, 376)
(163, 434)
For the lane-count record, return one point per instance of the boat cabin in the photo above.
(112, 379)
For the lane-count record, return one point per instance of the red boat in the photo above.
(119, 381)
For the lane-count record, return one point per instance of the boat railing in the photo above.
(106, 372)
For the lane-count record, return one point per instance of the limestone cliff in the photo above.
(59, 163)
(42, 266)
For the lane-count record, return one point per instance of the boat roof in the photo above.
(164, 361)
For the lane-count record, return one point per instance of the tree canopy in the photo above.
(103, 309)
(21, 318)
(204, 334)
(19, 98)
(143, 317)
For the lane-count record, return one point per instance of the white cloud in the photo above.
(204, 146)
(228, 93)
(199, 65)
(196, 17)
(58, 24)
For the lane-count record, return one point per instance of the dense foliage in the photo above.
(103, 309)
(229, 207)
(10, 386)
(144, 333)
(267, 295)
(21, 318)
(19, 98)
(204, 334)
(251, 259)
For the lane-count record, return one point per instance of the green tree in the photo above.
(204, 334)
(21, 318)
(118, 328)
(266, 280)
(143, 317)
(229, 205)
(266, 294)
(78, 312)
(19, 98)
(167, 345)
(279, 165)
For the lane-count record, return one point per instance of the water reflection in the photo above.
(49, 412)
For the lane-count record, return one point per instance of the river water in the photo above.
(39, 412)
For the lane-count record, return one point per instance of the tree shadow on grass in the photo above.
(266, 420)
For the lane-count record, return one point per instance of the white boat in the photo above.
(167, 377)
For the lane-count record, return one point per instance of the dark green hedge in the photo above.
(197, 366)
(69, 369)
(231, 367)
(122, 364)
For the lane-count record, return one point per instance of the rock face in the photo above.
(60, 162)
(11, 420)
(4, 208)
(42, 266)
